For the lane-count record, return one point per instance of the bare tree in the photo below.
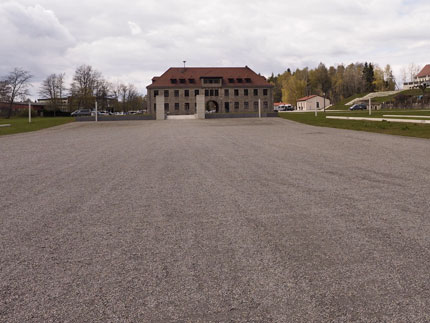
(15, 85)
(53, 88)
(413, 70)
(103, 93)
(84, 86)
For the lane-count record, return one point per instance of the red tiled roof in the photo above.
(276, 104)
(196, 73)
(425, 71)
(307, 98)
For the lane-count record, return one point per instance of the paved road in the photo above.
(213, 221)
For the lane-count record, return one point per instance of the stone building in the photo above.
(226, 90)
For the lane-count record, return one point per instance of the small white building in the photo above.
(312, 102)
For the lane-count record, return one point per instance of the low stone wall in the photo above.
(117, 118)
(240, 115)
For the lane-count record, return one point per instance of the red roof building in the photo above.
(226, 89)
(425, 72)
(307, 98)
(312, 102)
(422, 77)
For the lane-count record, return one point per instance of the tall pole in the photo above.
(370, 106)
(324, 102)
(259, 108)
(96, 112)
(29, 112)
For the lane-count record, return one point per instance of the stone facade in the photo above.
(225, 90)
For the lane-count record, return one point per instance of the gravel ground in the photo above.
(213, 221)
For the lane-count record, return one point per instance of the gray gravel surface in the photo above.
(213, 221)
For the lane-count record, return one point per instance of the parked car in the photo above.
(358, 107)
(81, 112)
(287, 107)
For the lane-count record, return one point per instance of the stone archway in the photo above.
(212, 106)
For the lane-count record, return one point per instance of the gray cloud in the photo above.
(133, 41)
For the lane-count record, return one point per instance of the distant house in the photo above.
(312, 102)
(18, 107)
(421, 78)
(68, 104)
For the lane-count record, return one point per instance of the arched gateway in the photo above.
(212, 106)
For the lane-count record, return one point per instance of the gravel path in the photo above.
(213, 221)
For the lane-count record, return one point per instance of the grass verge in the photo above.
(18, 125)
(391, 128)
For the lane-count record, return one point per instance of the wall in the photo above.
(220, 99)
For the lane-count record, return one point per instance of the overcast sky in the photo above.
(132, 40)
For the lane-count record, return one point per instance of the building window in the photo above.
(236, 92)
(245, 92)
(174, 81)
(318, 105)
(245, 105)
(176, 93)
(227, 107)
(187, 106)
(255, 105)
(236, 105)
(230, 80)
(187, 93)
(265, 105)
(240, 80)
(166, 93)
(265, 92)
(211, 92)
(182, 81)
(248, 80)
(192, 81)
(196, 92)
(255, 92)
(211, 81)
(206, 92)
(155, 93)
(176, 106)
(166, 107)
(216, 93)
(226, 92)
(155, 107)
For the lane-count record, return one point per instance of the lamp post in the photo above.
(29, 112)
(370, 106)
(259, 108)
(96, 113)
(324, 102)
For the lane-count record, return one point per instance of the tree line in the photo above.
(88, 86)
(335, 83)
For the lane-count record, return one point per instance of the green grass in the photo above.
(412, 92)
(391, 128)
(19, 125)
(342, 104)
